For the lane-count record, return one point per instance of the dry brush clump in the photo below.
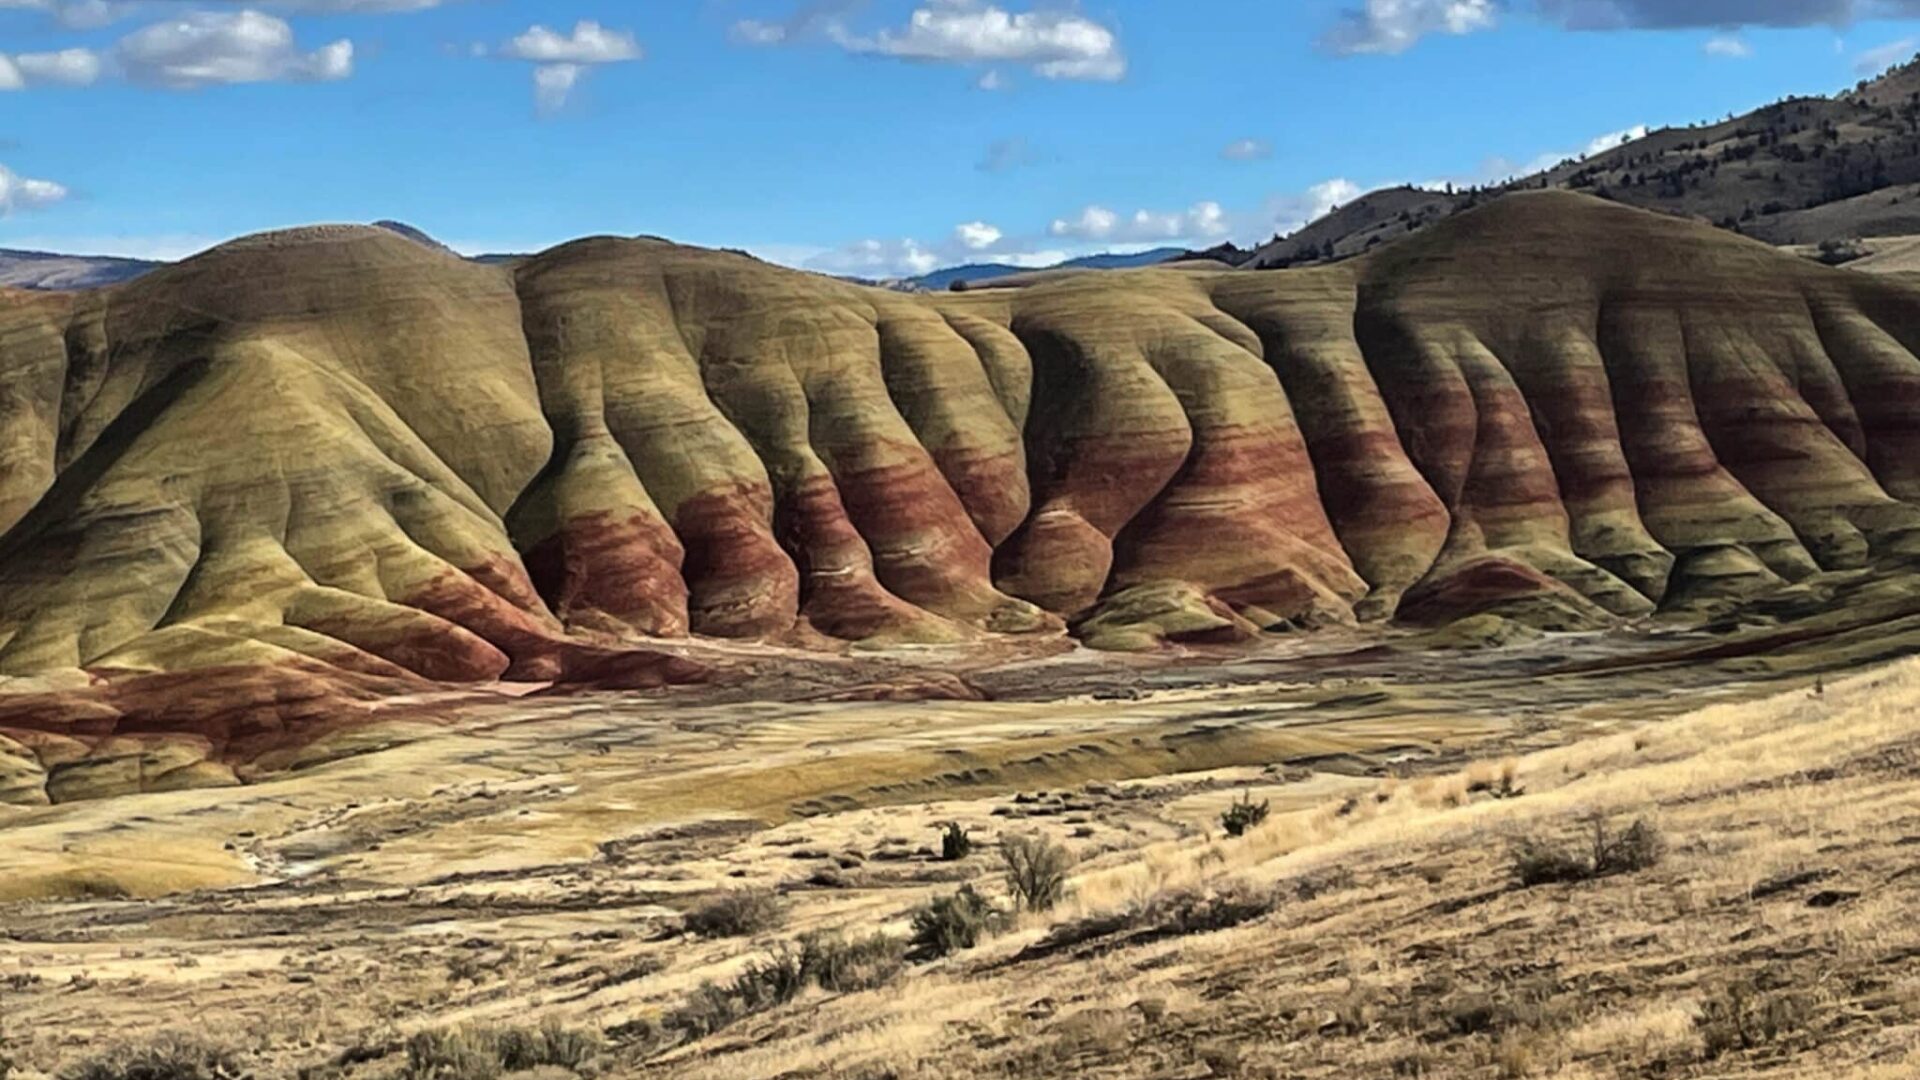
(1741, 1016)
(169, 1056)
(1244, 814)
(1539, 861)
(479, 1052)
(953, 923)
(955, 844)
(737, 913)
(830, 961)
(1036, 870)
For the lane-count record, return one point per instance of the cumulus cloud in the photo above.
(203, 48)
(1727, 47)
(590, 43)
(877, 259)
(25, 193)
(562, 60)
(1051, 43)
(977, 235)
(1393, 26)
(70, 67)
(1202, 221)
(1247, 150)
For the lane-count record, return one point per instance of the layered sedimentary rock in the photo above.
(340, 454)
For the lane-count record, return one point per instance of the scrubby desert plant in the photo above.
(463, 1053)
(841, 965)
(949, 924)
(1537, 861)
(171, 1056)
(1639, 847)
(1243, 814)
(955, 844)
(737, 913)
(1740, 1017)
(1221, 908)
(480, 1052)
(1036, 870)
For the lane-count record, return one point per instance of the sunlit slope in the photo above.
(338, 446)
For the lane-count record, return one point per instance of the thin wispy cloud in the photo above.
(1247, 150)
(1727, 47)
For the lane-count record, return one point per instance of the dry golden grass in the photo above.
(539, 869)
(1389, 973)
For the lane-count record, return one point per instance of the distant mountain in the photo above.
(1799, 171)
(46, 270)
(973, 273)
(403, 229)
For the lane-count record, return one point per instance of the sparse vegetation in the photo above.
(843, 965)
(1538, 861)
(1244, 814)
(950, 924)
(1036, 870)
(1742, 1017)
(829, 961)
(477, 1052)
(738, 913)
(172, 1056)
(955, 844)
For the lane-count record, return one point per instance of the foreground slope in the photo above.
(332, 465)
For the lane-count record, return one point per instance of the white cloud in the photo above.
(1393, 26)
(755, 32)
(74, 14)
(553, 84)
(91, 14)
(1288, 212)
(991, 80)
(1247, 150)
(25, 193)
(1613, 139)
(1202, 221)
(877, 259)
(977, 235)
(590, 43)
(203, 48)
(69, 67)
(563, 59)
(1876, 60)
(1728, 47)
(1053, 43)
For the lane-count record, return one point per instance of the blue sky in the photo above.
(877, 137)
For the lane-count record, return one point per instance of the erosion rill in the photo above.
(247, 497)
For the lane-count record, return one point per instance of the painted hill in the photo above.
(329, 465)
(1799, 171)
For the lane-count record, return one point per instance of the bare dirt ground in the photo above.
(536, 862)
